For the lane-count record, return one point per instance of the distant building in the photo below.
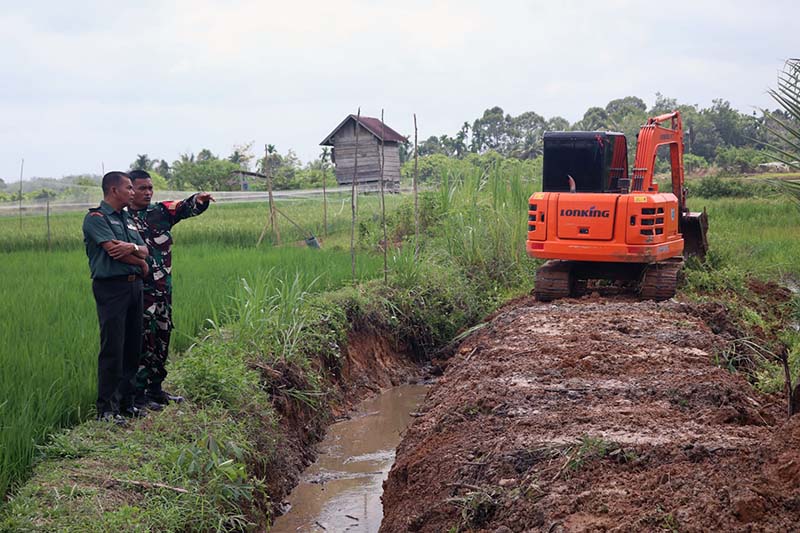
(371, 131)
(773, 166)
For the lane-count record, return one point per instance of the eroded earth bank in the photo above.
(595, 415)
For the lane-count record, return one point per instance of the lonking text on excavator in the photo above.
(594, 220)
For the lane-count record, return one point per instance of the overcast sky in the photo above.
(86, 84)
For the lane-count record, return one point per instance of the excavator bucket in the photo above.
(694, 227)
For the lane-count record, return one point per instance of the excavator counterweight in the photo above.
(597, 219)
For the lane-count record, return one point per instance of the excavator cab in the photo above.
(596, 161)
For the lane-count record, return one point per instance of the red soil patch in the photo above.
(591, 416)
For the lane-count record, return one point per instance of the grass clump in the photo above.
(589, 449)
(476, 508)
(182, 472)
(209, 373)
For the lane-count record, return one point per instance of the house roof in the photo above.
(372, 125)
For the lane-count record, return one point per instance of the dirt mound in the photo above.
(595, 415)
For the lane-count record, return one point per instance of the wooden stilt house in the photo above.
(370, 134)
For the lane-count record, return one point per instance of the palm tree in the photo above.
(142, 162)
(786, 128)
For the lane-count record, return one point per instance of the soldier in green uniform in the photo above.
(154, 221)
(117, 263)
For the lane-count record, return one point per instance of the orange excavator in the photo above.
(594, 220)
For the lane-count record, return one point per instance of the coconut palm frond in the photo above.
(783, 154)
(787, 95)
(790, 188)
(791, 131)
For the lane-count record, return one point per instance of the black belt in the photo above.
(130, 278)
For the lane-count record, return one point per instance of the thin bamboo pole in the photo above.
(21, 168)
(383, 207)
(49, 241)
(324, 194)
(416, 195)
(354, 202)
(272, 221)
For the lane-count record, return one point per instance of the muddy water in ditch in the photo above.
(342, 490)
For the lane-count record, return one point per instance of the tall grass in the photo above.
(482, 228)
(758, 235)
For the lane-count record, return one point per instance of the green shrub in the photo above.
(718, 187)
(693, 164)
(740, 160)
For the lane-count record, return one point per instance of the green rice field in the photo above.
(49, 339)
(760, 236)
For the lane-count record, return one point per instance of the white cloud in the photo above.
(98, 81)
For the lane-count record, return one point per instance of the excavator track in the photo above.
(553, 281)
(660, 280)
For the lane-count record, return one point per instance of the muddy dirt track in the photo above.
(595, 415)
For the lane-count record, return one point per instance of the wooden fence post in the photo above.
(273, 221)
(383, 207)
(324, 193)
(49, 241)
(416, 196)
(354, 202)
(21, 167)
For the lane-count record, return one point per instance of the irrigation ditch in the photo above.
(603, 413)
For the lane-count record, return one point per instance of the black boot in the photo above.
(162, 397)
(112, 418)
(132, 411)
(142, 401)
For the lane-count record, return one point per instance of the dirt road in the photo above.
(595, 415)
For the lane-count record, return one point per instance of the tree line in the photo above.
(717, 135)
(208, 171)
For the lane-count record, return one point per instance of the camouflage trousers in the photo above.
(157, 329)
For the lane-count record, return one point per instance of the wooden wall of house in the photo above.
(369, 158)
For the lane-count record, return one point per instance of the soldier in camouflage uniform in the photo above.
(155, 220)
(117, 256)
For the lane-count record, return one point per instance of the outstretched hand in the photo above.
(204, 197)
